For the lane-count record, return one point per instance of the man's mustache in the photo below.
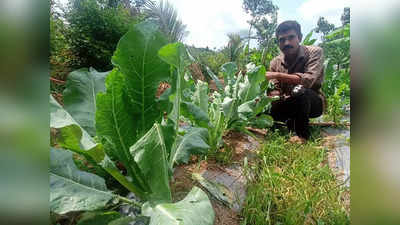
(287, 47)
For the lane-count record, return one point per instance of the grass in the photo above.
(292, 184)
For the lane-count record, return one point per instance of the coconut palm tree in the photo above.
(167, 17)
(235, 45)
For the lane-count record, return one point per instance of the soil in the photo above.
(182, 182)
(243, 145)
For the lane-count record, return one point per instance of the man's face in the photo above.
(289, 42)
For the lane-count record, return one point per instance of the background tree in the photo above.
(345, 18)
(84, 33)
(323, 26)
(62, 57)
(259, 8)
(265, 34)
(263, 12)
(234, 47)
(94, 29)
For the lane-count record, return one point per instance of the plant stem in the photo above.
(248, 42)
(178, 99)
(129, 201)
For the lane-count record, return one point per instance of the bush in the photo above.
(94, 29)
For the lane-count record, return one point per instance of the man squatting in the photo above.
(297, 74)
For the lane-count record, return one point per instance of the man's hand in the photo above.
(283, 77)
(274, 93)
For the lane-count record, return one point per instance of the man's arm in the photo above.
(284, 77)
(313, 71)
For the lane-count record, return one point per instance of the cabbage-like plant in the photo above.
(128, 133)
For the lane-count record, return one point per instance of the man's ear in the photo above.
(300, 37)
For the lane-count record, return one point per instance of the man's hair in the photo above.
(289, 25)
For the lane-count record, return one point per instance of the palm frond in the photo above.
(167, 17)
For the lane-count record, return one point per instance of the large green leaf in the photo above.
(80, 96)
(214, 78)
(219, 191)
(194, 209)
(174, 54)
(137, 59)
(229, 70)
(195, 114)
(116, 124)
(128, 220)
(200, 96)
(72, 189)
(98, 218)
(110, 167)
(307, 40)
(263, 121)
(227, 107)
(150, 154)
(168, 130)
(253, 107)
(193, 142)
(71, 136)
(217, 121)
(342, 31)
(250, 88)
(245, 110)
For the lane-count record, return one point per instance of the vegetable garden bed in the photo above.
(117, 132)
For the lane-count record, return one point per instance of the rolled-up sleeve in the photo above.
(314, 69)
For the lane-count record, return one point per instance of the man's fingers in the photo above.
(274, 93)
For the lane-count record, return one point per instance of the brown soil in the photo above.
(161, 88)
(195, 70)
(182, 181)
(213, 86)
(224, 215)
(240, 144)
(235, 141)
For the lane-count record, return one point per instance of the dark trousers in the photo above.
(296, 111)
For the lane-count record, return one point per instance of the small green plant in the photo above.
(307, 40)
(224, 155)
(235, 105)
(243, 97)
(336, 103)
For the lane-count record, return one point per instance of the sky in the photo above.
(209, 21)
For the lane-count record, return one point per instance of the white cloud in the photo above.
(311, 10)
(208, 21)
